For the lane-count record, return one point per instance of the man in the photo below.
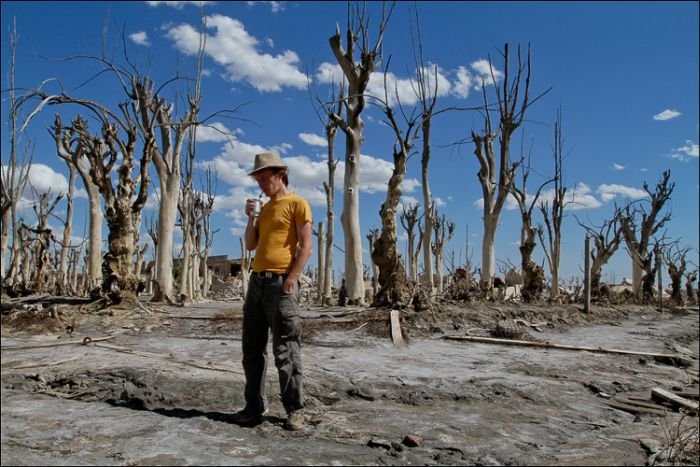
(281, 238)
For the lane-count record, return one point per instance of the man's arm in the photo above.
(305, 251)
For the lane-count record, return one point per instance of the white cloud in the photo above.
(403, 88)
(215, 132)
(178, 5)
(275, 7)
(141, 38)
(617, 166)
(237, 51)
(684, 153)
(609, 192)
(313, 140)
(306, 176)
(667, 114)
(576, 198)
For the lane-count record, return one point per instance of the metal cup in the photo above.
(257, 206)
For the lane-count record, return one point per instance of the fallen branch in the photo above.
(54, 344)
(169, 358)
(35, 365)
(676, 359)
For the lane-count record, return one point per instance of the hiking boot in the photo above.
(295, 421)
(247, 417)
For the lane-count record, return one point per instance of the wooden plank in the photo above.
(633, 408)
(640, 403)
(547, 345)
(658, 393)
(396, 335)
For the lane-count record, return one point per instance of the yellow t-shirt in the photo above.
(277, 233)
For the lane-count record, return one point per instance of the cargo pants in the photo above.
(268, 308)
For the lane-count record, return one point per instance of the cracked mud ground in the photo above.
(159, 390)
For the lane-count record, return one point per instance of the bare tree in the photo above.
(63, 274)
(533, 274)
(156, 120)
(607, 238)
(330, 125)
(553, 218)
(426, 92)
(675, 259)
(14, 174)
(43, 207)
(511, 109)
(443, 230)
(409, 218)
(394, 288)
(638, 233)
(357, 75)
(71, 145)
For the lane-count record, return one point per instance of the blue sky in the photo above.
(625, 75)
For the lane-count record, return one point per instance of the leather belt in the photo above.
(268, 275)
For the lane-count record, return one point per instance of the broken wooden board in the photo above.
(677, 359)
(677, 401)
(396, 336)
(639, 403)
(634, 409)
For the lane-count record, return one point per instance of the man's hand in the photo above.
(288, 285)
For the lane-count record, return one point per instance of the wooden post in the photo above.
(657, 254)
(587, 277)
(321, 261)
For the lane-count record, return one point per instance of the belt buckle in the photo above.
(267, 274)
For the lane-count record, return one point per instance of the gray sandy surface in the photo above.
(160, 392)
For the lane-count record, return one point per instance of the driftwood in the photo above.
(675, 400)
(676, 359)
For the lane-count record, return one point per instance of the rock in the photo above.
(412, 441)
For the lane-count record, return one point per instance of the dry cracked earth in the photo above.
(156, 385)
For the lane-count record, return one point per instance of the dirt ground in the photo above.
(156, 385)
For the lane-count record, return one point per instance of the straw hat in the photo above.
(267, 160)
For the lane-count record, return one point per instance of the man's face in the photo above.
(268, 181)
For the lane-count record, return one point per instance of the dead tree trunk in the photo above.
(14, 173)
(63, 274)
(497, 179)
(42, 263)
(394, 289)
(330, 123)
(553, 218)
(533, 274)
(607, 239)
(675, 258)
(409, 219)
(638, 233)
(444, 230)
(357, 75)
(72, 145)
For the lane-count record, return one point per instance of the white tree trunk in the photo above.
(170, 190)
(488, 250)
(6, 219)
(321, 281)
(350, 220)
